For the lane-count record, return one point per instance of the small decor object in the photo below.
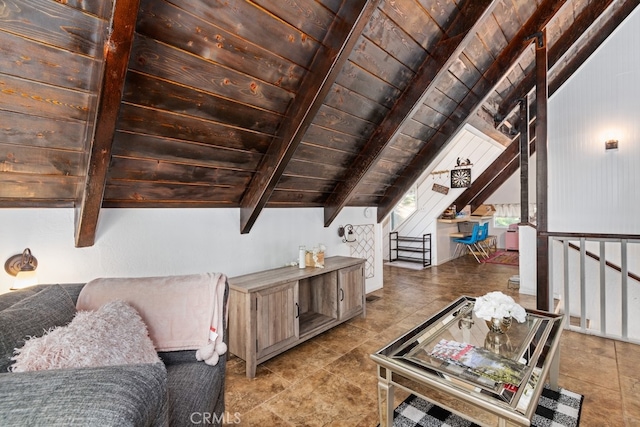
(440, 189)
(463, 162)
(302, 257)
(346, 233)
(23, 267)
(315, 258)
(497, 309)
(611, 144)
(461, 178)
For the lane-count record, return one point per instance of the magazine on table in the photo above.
(480, 362)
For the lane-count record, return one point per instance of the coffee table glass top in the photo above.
(456, 348)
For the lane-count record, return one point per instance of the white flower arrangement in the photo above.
(498, 305)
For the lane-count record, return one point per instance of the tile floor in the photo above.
(330, 380)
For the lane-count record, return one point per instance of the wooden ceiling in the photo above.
(266, 103)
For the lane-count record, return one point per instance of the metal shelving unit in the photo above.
(410, 249)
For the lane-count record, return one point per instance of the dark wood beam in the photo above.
(542, 242)
(598, 20)
(494, 184)
(340, 40)
(524, 160)
(117, 48)
(454, 40)
(474, 99)
(599, 31)
(486, 177)
(496, 180)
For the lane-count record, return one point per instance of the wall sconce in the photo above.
(23, 266)
(611, 144)
(346, 233)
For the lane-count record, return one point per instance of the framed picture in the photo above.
(461, 178)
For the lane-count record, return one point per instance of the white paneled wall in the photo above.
(468, 144)
(590, 189)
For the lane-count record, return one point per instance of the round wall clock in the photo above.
(460, 178)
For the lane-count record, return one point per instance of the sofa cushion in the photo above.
(196, 393)
(118, 396)
(112, 335)
(33, 316)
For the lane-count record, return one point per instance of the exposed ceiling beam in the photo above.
(595, 35)
(585, 21)
(454, 40)
(493, 178)
(505, 174)
(117, 48)
(340, 40)
(487, 176)
(474, 100)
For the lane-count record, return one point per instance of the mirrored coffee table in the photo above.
(454, 353)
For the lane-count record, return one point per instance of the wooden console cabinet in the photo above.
(271, 311)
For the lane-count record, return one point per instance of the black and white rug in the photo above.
(555, 409)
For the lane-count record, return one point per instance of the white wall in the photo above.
(593, 190)
(590, 190)
(155, 242)
(470, 144)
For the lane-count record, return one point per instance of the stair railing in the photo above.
(592, 275)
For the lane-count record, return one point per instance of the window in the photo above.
(506, 215)
(504, 221)
(405, 208)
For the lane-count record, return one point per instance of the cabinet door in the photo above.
(277, 314)
(350, 291)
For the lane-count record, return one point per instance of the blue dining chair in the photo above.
(468, 242)
(483, 233)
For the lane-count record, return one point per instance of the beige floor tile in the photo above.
(301, 361)
(243, 394)
(343, 338)
(322, 399)
(630, 388)
(259, 417)
(330, 380)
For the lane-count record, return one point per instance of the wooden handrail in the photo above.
(591, 235)
(607, 263)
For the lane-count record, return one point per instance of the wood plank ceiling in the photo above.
(263, 103)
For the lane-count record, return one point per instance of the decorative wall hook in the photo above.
(346, 233)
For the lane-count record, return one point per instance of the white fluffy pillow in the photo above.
(112, 335)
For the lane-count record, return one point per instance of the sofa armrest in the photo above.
(125, 395)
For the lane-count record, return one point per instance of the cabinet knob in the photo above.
(341, 294)
(297, 310)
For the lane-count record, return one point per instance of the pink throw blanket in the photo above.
(181, 312)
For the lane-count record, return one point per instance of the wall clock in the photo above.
(460, 178)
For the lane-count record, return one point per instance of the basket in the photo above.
(309, 262)
(466, 227)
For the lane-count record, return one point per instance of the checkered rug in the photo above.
(555, 409)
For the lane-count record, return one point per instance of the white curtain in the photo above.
(511, 210)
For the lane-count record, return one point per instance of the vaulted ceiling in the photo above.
(267, 103)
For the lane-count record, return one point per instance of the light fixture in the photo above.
(346, 233)
(611, 144)
(23, 266)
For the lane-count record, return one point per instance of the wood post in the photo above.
(542, 241)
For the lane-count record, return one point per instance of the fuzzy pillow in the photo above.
(32, 317)
(113, 335)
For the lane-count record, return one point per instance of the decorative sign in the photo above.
(440, 188)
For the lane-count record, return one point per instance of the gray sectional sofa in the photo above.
(178, 392)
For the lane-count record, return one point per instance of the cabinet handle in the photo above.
(341, 294)
(297, 310)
